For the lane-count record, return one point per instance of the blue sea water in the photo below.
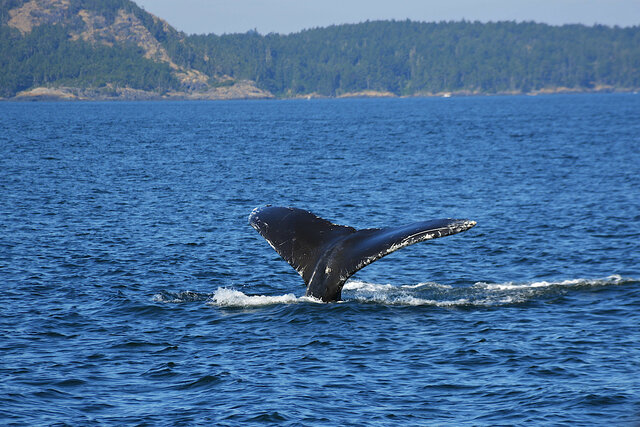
(133, 291)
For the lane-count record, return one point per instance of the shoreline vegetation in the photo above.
(79, 50)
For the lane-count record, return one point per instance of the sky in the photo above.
(288, 16)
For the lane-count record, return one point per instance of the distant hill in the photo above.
(412, 58)
(100, 49)
(112, 49)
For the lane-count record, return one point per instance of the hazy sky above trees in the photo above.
(286, 16)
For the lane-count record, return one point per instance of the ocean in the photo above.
(133, 290)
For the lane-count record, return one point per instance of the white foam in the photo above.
(479, 295)
(431, 285)
(409, 300)
(611, 280)
(232, 298)
(357, 285)
(412, 300)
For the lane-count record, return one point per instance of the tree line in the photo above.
(402, 57)
(406, 57)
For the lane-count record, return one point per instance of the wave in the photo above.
(178, 297)
(611, 280)
(480, 294)
(231, 298)
(225, 297)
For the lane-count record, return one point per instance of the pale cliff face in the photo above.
(38, 12)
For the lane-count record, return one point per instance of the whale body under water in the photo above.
(327, 254)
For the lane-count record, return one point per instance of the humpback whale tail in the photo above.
(327, 254)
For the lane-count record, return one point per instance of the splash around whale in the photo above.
(327, 254)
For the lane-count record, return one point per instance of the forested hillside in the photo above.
(46, 56)
(409, 58)
(108, 45)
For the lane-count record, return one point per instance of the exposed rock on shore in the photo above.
(239, 90)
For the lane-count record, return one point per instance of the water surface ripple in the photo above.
(134, 291)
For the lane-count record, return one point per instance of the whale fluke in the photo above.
(327, 254)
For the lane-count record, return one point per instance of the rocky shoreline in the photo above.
(248, 90)
(238, 90)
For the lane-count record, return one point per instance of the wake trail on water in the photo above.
(480, 294)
